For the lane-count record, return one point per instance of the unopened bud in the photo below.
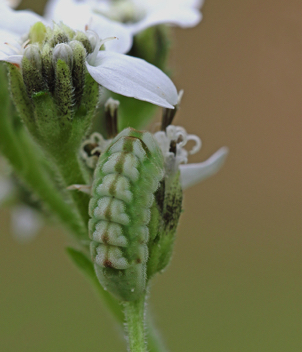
(169, 114)
(33, 54)
(47, 66)
(82, 38)
(63, 52)
(112, 106)
(59, 35)
(37, 33)
(79, 69)
(32, 70)
(93, 38)
(111, 110)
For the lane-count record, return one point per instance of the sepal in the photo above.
(165, 215)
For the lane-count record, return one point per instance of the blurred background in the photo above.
(234, 284)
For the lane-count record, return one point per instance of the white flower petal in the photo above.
(13, 59)
(18, 22)
(72, 13)
(106, 28)
(133, 77)
(12, 3)
(192, 174)
(180, 16)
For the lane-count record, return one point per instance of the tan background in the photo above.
(234, 283)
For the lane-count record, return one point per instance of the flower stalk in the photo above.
(24, 156)
(135, 325)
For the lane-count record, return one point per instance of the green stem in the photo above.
(72, 173)
(34, 174)
(25, 158)
(84, 264)
(135, 325)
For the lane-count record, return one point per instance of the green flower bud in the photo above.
(85, 40)
(32, 70)
(79, 69)
(63, 52)
(48, 71)
(62, 95)
(37, 33)
(33, 54)
(63, 89)
(166, 212)
(58, 35)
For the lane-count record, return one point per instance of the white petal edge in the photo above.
(191, 174)
(179, 16)
(12, 59)
(18, 22)
(133, 77)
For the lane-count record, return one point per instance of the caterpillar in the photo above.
(126, 176)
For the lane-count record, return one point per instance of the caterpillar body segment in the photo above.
(125, 179)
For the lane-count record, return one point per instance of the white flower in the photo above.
(172, 143)
(124, 18)
(119, 73)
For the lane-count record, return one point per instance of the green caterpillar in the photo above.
(125, 179)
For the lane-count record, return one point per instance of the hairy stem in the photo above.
(135, 325)
(72, 173)
(24, 156)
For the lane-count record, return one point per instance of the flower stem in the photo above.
(25, 157)
(72, 173)
(135, 325)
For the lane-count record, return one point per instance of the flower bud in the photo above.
(54, 94)
(165, 214)
(84, 39)
(79, 69)
(111, 109)
(48, 71)
(33, 54)
(58, 35)
(32, 70)
(37, 33)
(63, 52)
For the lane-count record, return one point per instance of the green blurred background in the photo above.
(234, 284)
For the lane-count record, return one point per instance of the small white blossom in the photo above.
(119, 73)
(124, 18)
(172, 143)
